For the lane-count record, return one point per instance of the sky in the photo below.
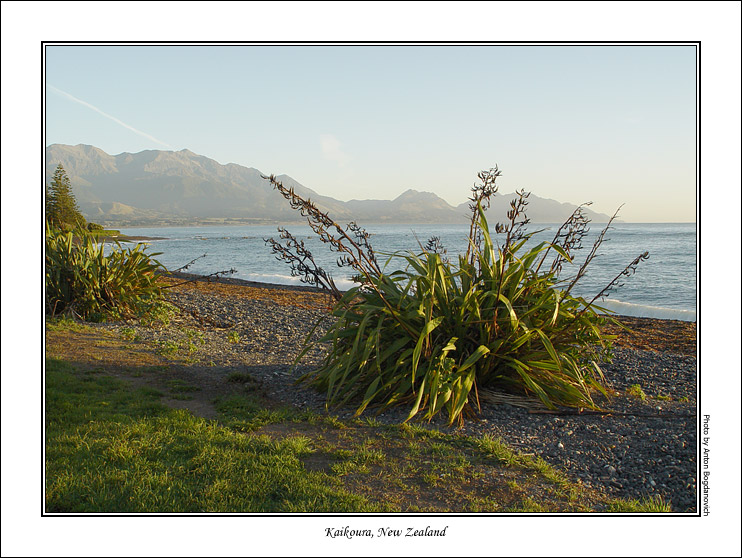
(609, 124)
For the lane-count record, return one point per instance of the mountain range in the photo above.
(180, 187)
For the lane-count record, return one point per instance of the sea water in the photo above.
(664, 286)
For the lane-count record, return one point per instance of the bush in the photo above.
(81, 279)
(94, 227)
(433, 334)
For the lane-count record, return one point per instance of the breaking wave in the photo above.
(645, 311)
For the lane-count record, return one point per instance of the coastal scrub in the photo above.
(432, 335)
(81, 279)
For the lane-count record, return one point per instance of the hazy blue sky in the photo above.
(610, 124)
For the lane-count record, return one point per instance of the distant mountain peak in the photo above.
(155, 187)
(410, 192)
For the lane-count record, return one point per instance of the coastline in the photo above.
(642, 446)
(126, 238)
(244, 283)
(646, 333)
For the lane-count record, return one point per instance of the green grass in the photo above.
(245, 413)
(184, 347)
(168, 348)
(110, 448)
(130, 334)
(508, 457)
(650, 505)
(65, 323)
(158, 315)
(114, 448)
(635, 390)
(179, 386)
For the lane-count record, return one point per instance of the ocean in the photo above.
(664, 286)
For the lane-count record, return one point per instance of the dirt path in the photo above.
(185, 384)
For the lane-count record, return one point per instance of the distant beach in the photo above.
(127, 238)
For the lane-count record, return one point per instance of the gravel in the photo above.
(650, 450)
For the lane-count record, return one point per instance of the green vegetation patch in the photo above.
(635, 390)
(65, 323)
(114, 448)
(654, 504)
(83, 278)
(409, 467)
(427, 332)
(110, 448)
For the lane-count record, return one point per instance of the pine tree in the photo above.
(47, 202)
(61, 206)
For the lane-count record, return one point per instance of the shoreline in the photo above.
(309, 289)
(646, 448)
(125, 238)
(245, 283)
(645, 445)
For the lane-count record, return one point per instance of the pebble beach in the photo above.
(643, 447)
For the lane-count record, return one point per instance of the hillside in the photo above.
(181, 187)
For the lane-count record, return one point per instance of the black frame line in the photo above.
(377, 44)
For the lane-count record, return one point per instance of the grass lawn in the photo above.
(110, 448)
(113, 445)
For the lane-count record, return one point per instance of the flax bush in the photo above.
(81, 279)
(432, 335)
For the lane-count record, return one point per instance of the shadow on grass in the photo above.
(128, 431)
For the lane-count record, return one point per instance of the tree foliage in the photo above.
(61, 206)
